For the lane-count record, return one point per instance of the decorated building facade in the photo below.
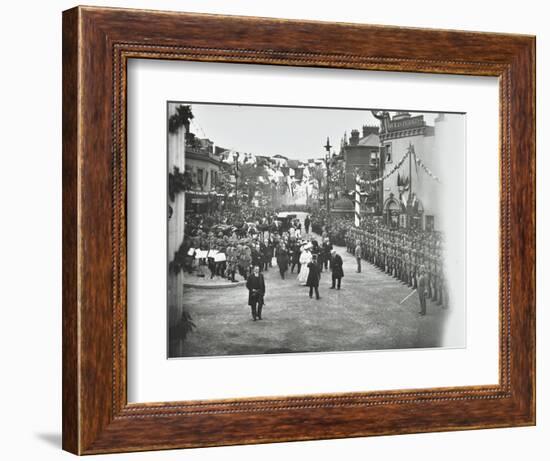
(362, 156)
(410, 165)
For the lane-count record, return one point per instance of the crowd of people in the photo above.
(243, 245)
(415, 257)
(230, 244)
(336, 230)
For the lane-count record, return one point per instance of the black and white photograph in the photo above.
(314, 229)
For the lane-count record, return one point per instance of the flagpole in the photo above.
(357, 200)
(409, 200)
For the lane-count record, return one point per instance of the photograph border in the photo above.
(97, 44)
(315, 107)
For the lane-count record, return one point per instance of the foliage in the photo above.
(181, 118)
(319, 174)
(178, 182)
(182, 327)
(248, 182)
(178, 263)
(224, 185)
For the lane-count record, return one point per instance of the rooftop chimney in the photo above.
(354, 138)
(369, 129)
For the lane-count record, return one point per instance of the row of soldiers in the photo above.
(401, 254)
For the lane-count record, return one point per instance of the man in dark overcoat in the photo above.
(256, 292)
(326, 250)
(337, 266)
(307, 223)
(282, 260)
(295, 258)
(313, 277)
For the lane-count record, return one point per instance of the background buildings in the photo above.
(398, 161)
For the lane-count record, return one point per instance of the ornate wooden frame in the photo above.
(97, 43)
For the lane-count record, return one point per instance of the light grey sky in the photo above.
(296, 133)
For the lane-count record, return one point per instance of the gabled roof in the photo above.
(372, 140)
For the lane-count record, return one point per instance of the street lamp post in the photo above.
(237, 180)
(327, 164)
(410, 199)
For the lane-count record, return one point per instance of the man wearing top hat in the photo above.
(256, 291)
(337, 266)
(313, 277)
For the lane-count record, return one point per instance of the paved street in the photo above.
(364, 315)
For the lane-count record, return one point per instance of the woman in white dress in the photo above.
(305, 259)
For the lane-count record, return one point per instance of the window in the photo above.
(200, 176)
(430, 223)
(374, 158)
(388, 153)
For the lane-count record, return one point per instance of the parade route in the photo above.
(364, 315)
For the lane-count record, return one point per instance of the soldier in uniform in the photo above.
(397, 261)
(415, 267)
(231, 263)
(406, 266)
(390, 259)
(358, 255)
(438, 291)
(422, 291)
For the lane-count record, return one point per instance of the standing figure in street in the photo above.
(422, 289)
(337, 266)
(307, 223)
(256, 291)
(264, 256)
(357, 253)
(231, 263)
(326, 250)
(314, 275)
(295, 258)
(305, 259)
(298, 226)
(282, 260)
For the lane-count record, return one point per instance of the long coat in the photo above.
(337, 267)
(282, 259)
(256, 289)
(314, 275)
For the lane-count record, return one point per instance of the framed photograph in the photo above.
(281, 230)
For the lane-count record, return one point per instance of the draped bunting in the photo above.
(396, 167)
(427, 170)
(418, 162)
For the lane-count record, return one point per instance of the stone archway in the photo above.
(392, 210)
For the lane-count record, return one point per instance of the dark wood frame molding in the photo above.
(97, 43)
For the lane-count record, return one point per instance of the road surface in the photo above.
(364, 315)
